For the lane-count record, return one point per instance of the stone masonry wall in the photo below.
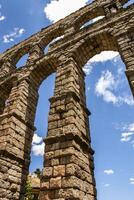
(16, 130)
(68, 171)
(68, 167)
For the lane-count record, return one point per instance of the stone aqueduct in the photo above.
(68, 168)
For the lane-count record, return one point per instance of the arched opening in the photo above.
(88, 16)
(20, 56)
(110, 101)
(129, 2)
(51, 37)
(54, 41)
(22, 61)
(45, 91)
(111, 104)
(91, 22)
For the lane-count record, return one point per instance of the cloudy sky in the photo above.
(108, 97)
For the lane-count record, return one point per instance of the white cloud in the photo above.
(131, 127)
(104, 87)
(90, 22)
(128, 133)
(38, 149)
(108, 171)
(37, 145)
(126, 137)
(37, 139)
(131, 181)
(101, 57)
(108, 86)
(56, 10)
(98, 18)
(17, 32)
(2, 17)
(20, 31)
(88, 88)
(107, 185)
(88, 68)
(104, 56)
(126, 99)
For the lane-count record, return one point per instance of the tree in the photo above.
(28, 191)
(38, 172)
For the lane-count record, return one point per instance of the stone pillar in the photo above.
(35, 53)
(6, 66)
(126, 49)
(4, 94)
(68, 164)
(16, 131)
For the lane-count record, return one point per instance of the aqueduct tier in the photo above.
(69, 167)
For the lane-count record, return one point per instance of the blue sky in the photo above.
(108, 97)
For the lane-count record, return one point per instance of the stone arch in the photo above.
(90, 14)
(22, 61)
(96, 9)
(68, 170)
(43, 69)
(45, 91)
(16, 55)
(51, 36)
(86, 48)
(90, 46)
(92, 22)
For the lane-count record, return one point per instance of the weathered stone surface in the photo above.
(47, 172)
(59, 170)
(55, 183)
(45, 185)
(69, 166)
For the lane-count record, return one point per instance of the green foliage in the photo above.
(28, 191)
(38, 172)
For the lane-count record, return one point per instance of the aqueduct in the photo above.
(69, 167)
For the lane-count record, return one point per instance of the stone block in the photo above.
(45, 185)
(55, 183)
(55, 162)
(47, 172)
(59, 170)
